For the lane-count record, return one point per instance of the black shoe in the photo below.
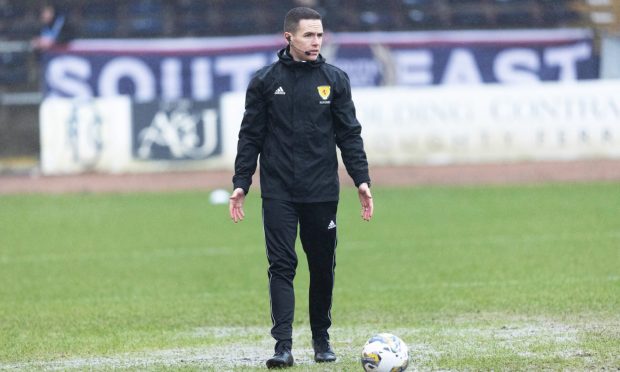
(323, 351)
(281, 359)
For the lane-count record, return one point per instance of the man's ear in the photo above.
(288, 37)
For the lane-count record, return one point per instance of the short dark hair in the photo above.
(291, 21)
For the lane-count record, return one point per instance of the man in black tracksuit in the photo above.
(297, 111)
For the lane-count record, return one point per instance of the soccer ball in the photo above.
(385, 352)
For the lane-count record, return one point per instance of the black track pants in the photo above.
(317, 231)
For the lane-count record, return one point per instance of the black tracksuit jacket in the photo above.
(296, 113)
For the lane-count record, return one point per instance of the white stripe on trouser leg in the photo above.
(273, 319)
(331, 299)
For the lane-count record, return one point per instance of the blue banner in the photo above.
(201, 69)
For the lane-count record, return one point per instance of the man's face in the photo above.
(307, 38)
(47, 15)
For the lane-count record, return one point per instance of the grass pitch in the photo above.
(471, 278)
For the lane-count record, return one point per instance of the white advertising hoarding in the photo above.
(85, 135)
(401, 126)
(469, 124)
(551, 121)
(118, 135)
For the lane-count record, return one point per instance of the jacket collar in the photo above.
(287, 60)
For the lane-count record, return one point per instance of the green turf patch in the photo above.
(471, 278)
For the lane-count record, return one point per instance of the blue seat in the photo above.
(192, 25)
(146, 27)
(192, 6)
(417, 3)
(558, 13)
(99, 28)
(469, 19)
(517, 18)
(458, 2)
(420, 19)
(13, 59)
(145, 7)
(20, 29)
(98, 9)
(11, 11)
(13, 68)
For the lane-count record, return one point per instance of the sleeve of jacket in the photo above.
(348, 132)
(251, 135)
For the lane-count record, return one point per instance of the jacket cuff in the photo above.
(358, 180)
(244, 186)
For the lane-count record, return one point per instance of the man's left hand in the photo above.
(365, 196)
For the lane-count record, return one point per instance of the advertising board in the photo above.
(201, 69)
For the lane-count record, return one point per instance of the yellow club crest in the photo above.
(324, 91)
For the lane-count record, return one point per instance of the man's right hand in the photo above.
(235, 205)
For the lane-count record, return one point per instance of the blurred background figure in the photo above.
(55, 28)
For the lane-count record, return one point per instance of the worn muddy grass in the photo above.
(518, 344)
(472, 278)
